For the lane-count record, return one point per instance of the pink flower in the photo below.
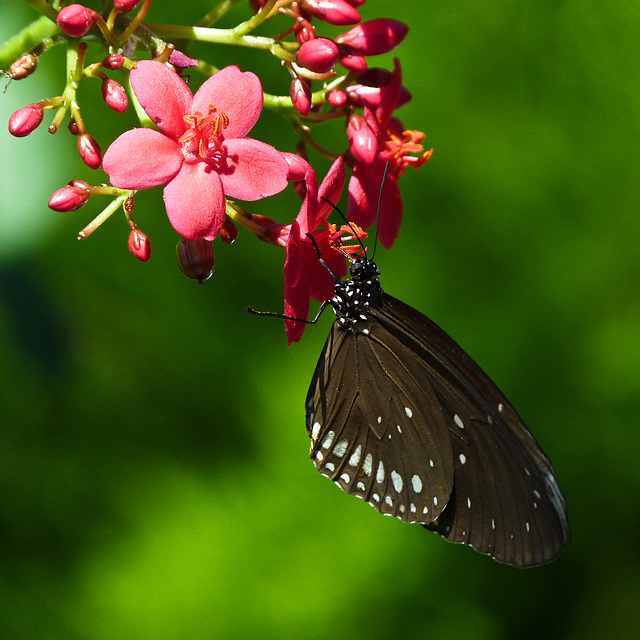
(200, 153)
(304, 276)
(396, 147)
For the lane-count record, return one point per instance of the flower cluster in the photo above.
(195, 145)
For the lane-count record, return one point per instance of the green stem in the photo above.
(45, 9)
(216, 13)
(98, 220)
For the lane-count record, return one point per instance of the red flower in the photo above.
(304, 275)
(200, 153)
(395, 147)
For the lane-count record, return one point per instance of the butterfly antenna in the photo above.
(355, 233)
(384, 179)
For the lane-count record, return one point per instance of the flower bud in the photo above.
(195, 259)
(356, 3)
(89, 150)
(76, 20)
(113, 62)
(351, 59)
(24, 66)
(375, 36)
(298, 166)
(71, 197)
(114, 95)
(301, 95)
(362, 140)
(304, 30)
(229, 232)
(337, 98)
(125, 5)
(338, 12)
(25, 120)
(139, 244)
(319, 55)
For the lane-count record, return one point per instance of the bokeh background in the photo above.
(154, 471)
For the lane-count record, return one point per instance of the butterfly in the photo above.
(402, 417)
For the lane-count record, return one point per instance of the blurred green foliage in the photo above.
(154, 478)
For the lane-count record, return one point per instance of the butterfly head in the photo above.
(363, 269)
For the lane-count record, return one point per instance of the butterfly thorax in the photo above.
(353, 298)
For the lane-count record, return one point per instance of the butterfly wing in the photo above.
(456, 456)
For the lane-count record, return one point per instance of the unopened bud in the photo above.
(352, 59)
(319, 55)
(113, 62)
(362, 140)
(24, 66)
(304, 30)
(195, 259)
(338, 12)
(25, 120)
(71, 197)
(301, 95)
(76, 20)
(73, 127)
(337, 98)
(114, 95)
(229, 232)
(298, 167)
(89, 150)
(125, 5)
(375, 36)
(139, 244)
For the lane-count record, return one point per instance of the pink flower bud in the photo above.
(24, 66)
(114, 95)
(336, 98)
(301, 95)
(304, 30)
(139, 244)
(195, 259)
(375, 36)
(76, 20)
(125, 5)
(25, 120)
(298, 166)
(351, 59)
(71, 197)
(89, 151)
(113, 62)
(319, 55)
(229, 232)
(338, 12)
(362, 140)
(356, 3)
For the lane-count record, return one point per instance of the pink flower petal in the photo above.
(141, 159)
(195, 202)
(237, 94)
(163, 95)
(255, 169)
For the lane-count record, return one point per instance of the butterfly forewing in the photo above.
(401, 416)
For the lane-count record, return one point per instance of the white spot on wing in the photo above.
(380, 473)
(341, 448)
(462, 458)
(468, 503)
(315, 430)
(328, 440)
(319, 456)
(354, 460)
(345, 477)
(376, 497)
(388, 500)
(396, 478)
(416, 483)
(361, 486)
(458, 422)
(330, 467)
(408, 412)
(368, 464)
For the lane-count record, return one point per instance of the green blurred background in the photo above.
(154, 471)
